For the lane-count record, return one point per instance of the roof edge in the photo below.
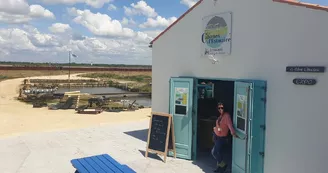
(291, 2)
(303, 4)
(176, 21)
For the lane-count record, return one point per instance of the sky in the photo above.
(97, 31)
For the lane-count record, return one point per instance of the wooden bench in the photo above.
(99, 164)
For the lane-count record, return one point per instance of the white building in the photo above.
(284, 118)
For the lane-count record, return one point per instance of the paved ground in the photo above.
(51, 152)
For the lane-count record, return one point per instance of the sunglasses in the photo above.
(221, 108)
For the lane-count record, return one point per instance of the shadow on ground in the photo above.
(139, 134)
(151, 155)
(205, 161)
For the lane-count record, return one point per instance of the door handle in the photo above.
(244, 138)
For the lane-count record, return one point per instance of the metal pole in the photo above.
(69, 70)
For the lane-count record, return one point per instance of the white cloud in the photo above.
(112, 7)
(153, 33)
(17, 40)
(29, 44)
(16, 14)
(39, 11)
(141, 8)
(14, 6)
(189, 3)
(59, 28)
(14, 18)
(158, 22)
(129, 22)
(93, 3)
(103, 25)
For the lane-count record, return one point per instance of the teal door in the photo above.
(249, 122)
(181, 107)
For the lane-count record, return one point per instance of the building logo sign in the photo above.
(216, 37)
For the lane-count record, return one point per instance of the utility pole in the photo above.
(69, 70)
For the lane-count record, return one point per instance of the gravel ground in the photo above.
(51, 152)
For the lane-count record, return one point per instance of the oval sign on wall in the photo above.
(302, 81)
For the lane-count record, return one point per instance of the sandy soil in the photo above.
(17, 117)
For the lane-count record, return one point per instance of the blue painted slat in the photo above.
(78, 166)
(105, 166)
(87, 166)
(127, 169)
(100, 164)
(113, 161)
(116, 168)
(94, 165)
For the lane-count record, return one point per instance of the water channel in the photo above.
(98, 90)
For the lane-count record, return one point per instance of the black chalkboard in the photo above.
(161, 135)
(158, 132)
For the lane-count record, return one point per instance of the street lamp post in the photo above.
(69, 70)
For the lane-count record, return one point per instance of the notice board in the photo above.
(161, 134)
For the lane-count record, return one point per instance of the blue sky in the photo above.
(98, 31)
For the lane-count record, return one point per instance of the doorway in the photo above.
(209, 93)
(194, 114)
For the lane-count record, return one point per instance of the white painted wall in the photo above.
(267, 36)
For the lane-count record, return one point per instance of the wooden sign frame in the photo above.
(170, 130)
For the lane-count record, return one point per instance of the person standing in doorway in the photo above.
(220, 136)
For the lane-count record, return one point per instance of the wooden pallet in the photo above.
(89, 111)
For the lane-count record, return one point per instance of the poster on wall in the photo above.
(181, 100)
(181, 96)
(241, 106)
(216, 36)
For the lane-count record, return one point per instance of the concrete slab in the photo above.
(51, 152)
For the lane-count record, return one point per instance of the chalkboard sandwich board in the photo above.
(161, 134)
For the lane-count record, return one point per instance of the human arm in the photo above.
(230, 126)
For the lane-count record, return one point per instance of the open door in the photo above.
(181, 107)
(249, 122)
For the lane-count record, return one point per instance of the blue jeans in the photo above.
(217, 149)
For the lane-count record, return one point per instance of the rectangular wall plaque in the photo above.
(308, 69)
(303, 81)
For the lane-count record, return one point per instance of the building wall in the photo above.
(267, 36)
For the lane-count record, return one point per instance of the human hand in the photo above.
(235, 135)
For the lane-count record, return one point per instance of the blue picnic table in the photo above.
(100, 164)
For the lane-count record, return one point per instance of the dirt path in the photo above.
(17, 117)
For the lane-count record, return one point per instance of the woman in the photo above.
(220, 136)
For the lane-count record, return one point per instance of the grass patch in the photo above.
(140, 81)
(143, 78)
(11, 74)
(2, 77)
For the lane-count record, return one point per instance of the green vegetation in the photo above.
(135, 78)
(3, 77)
(12, 74)
(139, 81)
